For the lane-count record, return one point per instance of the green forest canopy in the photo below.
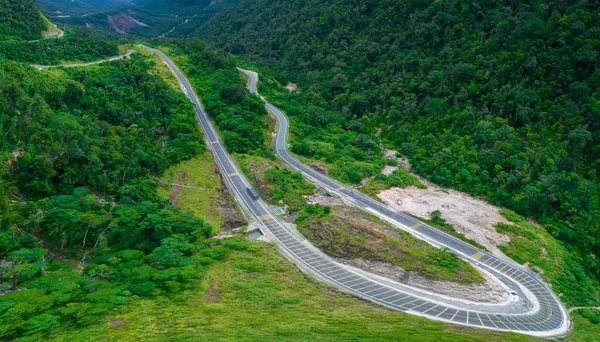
(82, 229)
(498, 99)
(20, 19)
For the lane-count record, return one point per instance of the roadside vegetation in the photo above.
(276, 183)
(348, 233)
(78, 45)
(195, 186)
(239, 116)
(587, 326)
(82, 228)
(20, 20)
(257, 294)
(530, 244)
(399, 178)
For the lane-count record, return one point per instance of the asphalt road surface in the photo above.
(549, 320)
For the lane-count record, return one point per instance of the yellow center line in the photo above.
(386, 292)
(390, 296)
(431, 308)
(488, 316)
(327, 268)
(479, 318)
(346, 277)
(399, 299)
(371, 291)
(412, 301)
(500, 321)
(354, 281)
(308, 261)
(368, 287)
(445, 309)
(425, 302)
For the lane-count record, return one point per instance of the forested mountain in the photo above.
(500, 99)
(147, 18)
(83, 230)
(20, 20)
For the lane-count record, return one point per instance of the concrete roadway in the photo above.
(549, 320)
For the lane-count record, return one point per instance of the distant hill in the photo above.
(20, 19)
(147, 18)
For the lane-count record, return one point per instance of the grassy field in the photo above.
(259, 295)
(200, 174)
(587, 326)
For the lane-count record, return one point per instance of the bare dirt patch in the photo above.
(117, 323)
(175, 190)
(212, 295)
(473, 217)
(319, 168)
(291, 87)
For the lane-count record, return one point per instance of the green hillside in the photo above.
(500, 99)
(20, 19)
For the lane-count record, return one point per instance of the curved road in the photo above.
(550, 319)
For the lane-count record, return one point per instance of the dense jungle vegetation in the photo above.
(499, 99)
(20, 20)
(78, 45)
(82, 228)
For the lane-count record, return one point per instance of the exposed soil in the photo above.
(212, 295)
(233, 219)
(319, 168)
(291, 87)
(117, 323)
(175, 190)
(473, 217)
(123, 22)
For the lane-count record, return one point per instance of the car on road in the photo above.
(253, 193)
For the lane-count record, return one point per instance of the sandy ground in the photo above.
(473, 217)
(291, 87)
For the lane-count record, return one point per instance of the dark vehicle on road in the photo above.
(253, 193)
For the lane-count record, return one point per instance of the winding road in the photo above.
(75, 65)
(550, 319)
(546, 316)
